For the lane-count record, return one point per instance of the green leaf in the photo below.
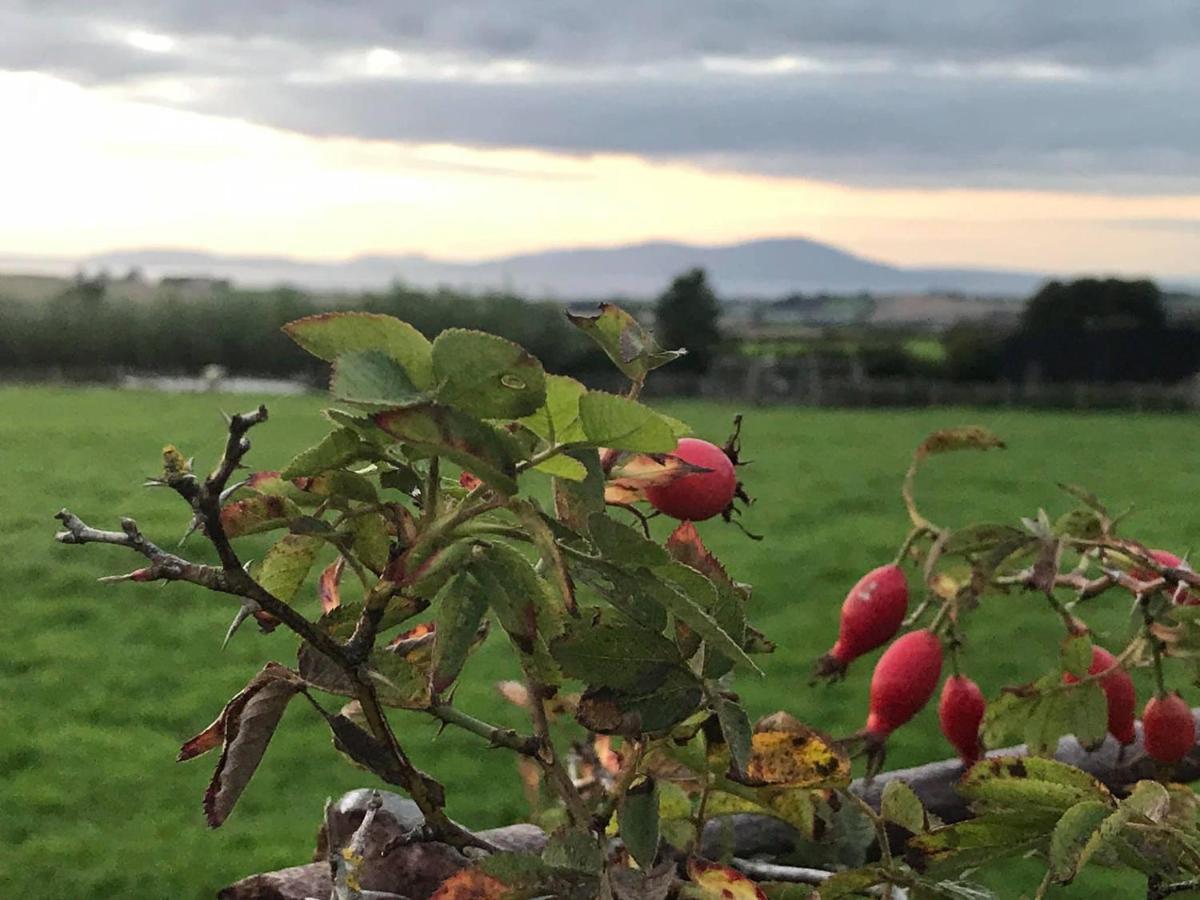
(1077, 655)
(850, 883)
(619, 656)
(372, 378)
(264, 512)
(575, 501)
(623, 545)
(329, 335)
(627, 344)
(399, 682)
(370, 541)
(460, 610)
(338, 448)
(984, 536)
(622, 424)
(486, 375)
(735, 728)
(552, 558)
(901, 806)
(562, 466)
(1090, 500)
(1026, 783)
(653, 710)
(637, 820)
(345, 485)
(685, 598)
(1071, 837)
(479, 448)
(1041, 713)
(286, 565)
(976, 841)
(575, 849)
(556, 421)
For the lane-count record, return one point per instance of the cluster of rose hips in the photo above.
(908, 672)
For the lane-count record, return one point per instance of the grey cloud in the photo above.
(924, 93)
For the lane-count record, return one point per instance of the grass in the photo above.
(100, 684)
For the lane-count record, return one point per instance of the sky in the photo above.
(1060, 137)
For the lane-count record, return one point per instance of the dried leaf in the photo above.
(328, 588)
(245, 728)
(797, 757)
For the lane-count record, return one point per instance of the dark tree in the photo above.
(1092, 304)
(687, 315)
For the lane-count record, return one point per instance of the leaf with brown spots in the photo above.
(244, 729)
(789, 754)
(717, 882)
(253, 515)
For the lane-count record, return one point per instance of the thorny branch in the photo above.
(205, 499)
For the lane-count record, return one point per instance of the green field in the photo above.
(99, 684)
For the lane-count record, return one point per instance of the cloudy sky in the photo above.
(1021, 133)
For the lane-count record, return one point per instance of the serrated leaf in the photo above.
(901, 806)
(1028, 783)
(981, 537)
(692, 607)
(653, 710)
(286, 565)
(399, 681)
(329, 585)
(563, 466)
(372, 379)
(619, 656)
(1071, 836)
(245, 727)
(622, 544)
(555, 563)
(486, 376)
(976, 841)
(370, 541)
(460, 610)
(1042, 712)
(329, 335)
(264, 512)
(622, 424)
(438, 430)
(631, 348)
(556, 421)
(344, 485)
(337, 449)
(1090, 500)
(637, 821)
(850, 883)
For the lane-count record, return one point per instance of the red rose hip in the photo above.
(903, 681)
(871, 615)
(1118, 692)
(960, 713)
(1168, 728)
(700, 495)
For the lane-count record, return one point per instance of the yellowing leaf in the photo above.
(717, 882)
(471, 884)
(797, 758)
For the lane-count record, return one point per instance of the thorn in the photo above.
(226, 416)
(229, 491)
(197, 521)
(154, 482)
(244, 612)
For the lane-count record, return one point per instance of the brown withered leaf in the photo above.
(328, 588)
(685, 545)
(471, 884)
(634, 472)
(244, 729)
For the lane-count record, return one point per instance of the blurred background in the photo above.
(865, 222)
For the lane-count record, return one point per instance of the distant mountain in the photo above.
(765, 268)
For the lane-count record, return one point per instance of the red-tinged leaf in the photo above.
(468, 481)
(633, 473)
(328, 588)
(244, 728)
(263, 512)
(415, 638)
(685, 545)
(717, 882)
(471, 884)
